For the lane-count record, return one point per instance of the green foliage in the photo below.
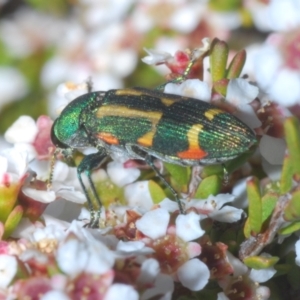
(209, 186)
(260, 262)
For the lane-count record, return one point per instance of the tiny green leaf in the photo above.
(236, 65)
(180, 176)
(8, 198)
(269, 201)
(13, 220)
(293, 227)
(255, 205)
(220, 86)
(286, 179)
(209, 186)
(218, 59)
(247, 229)
(157, 193)
(292, 134)
(260, 262)
(292, 210)
(109, 193)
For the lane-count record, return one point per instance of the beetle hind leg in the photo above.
(150, 161)
(87, 165)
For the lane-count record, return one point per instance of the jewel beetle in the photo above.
(148, 124)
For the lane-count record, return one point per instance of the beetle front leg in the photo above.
(87, 165)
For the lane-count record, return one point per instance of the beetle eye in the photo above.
(55, 140)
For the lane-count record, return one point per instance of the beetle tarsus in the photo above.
(89, 163)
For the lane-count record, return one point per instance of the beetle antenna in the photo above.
(52, 164)
(89, 84)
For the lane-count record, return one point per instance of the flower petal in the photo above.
(23, 130)
(194, 274)
(190, 88)
(8, 269)
(122, 176)
(116, 290)
(154, 223)
(188, 226)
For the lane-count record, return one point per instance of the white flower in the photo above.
(23, 130)
(156, 57)
(124, 291)
(186, 18)
(138, 194)
(163, 285)
(272, 149)
(8, 269)
(121, 176)
(13, 85)
(288, 20)
(193, 88)
(276, 70)
(13, 165)
(169, 205)
(154, 223)
(90, 256)
(188, 227)
(240, 93)
(130, 246)
(240, 194)
(133, 248)
(50, 232)
(213, 207)
(193, 274)
(239, 268)
(262, 275)
(57, 295)
(149, 270)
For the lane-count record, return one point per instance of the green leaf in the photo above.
(236, 65)
(220, 86)
(223, 6)
(292, 134)
(212, 170)
(218, 59)
(260, 262)
(269, 201)
(292, 210)
(255, 205)
(157, 193)
(109, 193)
(293, 227)
(8, 198)
(286, 180)
(209, 186)
(58, 7)
(180, 176)
(13, 220)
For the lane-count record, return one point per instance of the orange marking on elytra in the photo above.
(108, 138)
(147, 139)
(194, 150)
(192, 153)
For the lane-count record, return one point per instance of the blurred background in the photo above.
(46, 43)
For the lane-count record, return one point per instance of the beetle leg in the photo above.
(194, 181)
(150, 161)
(89, 163)
(225, 175)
